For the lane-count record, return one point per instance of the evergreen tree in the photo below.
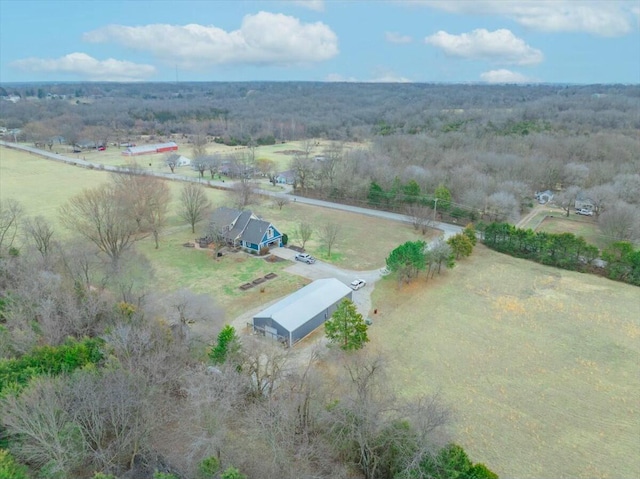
(347, 328)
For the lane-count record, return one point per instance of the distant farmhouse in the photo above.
(287, 177)
(244, 229)
(150, 149)
(544, 197)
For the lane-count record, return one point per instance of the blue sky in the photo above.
(453, 41)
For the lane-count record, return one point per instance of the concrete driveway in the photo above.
(321, 270)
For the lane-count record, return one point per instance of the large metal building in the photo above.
(294, 317)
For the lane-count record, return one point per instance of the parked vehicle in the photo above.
(584, 212)
(357, 284)
(305, 258)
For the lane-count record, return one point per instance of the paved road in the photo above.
(447, 229)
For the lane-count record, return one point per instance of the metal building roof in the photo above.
(299, 307)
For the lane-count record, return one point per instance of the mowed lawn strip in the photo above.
(585, 226)
(542, 365)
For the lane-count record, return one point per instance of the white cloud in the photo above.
(336, 77)
(500, 46)
(607, 18)
(382, 74)
(393, 37)
(88, 67)
(263, 39)
(315, 5)
(504, 76)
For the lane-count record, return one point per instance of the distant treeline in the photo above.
(564, 250)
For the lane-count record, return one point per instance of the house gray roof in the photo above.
(255, 231)
(297, 308)
(241, 223)
(223, 216)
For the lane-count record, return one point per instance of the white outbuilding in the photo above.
(299, 314)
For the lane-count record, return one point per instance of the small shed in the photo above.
(299, 314)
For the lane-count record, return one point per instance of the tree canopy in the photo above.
(347, 328)
(408, 259)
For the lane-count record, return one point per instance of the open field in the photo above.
(542, 365)
(42, 186)
(281, 154)
(584, 226)
(555, 220)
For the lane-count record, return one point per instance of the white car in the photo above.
(305, 258)
(585, 212)
(357, 284)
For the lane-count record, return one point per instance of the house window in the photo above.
(270, 233)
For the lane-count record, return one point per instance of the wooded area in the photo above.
(99, 375)
(490, 147)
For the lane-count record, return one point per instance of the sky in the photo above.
(448, 41)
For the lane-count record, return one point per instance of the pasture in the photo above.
(542, 365)
(555, 220)
(42, 186)
(281, 154)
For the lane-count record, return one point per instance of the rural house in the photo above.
(583, 202)
(244, 229)
(287, 177)
(299, 314)
(544, 196)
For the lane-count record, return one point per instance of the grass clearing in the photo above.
(542, 365)
(584, 226)
(43, 186)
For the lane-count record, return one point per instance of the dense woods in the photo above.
(491, 147)
(99, 376)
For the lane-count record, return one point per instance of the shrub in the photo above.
(285, 239)
(9, 468)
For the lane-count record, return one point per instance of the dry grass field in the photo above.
(541, 365)
(42, 186)
(281, 154)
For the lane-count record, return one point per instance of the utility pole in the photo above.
(435, 207)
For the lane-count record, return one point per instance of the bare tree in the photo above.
(213, 163)
(421, 216)
(40, 232)
(567, 198)
(148, 199)
(264, 362)
(303, 232)
(502, 206)
(114, 412)
(39, 417)
(621, 222)
(329, 234)
(200, 163)
(281, 201)
(185, 308)
(302, 165)
(11, 213)
(366, 423)
(103, 217)
(171, 160)
(199, 140)
(194, 204)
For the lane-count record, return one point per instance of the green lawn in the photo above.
(585, 226)
(541, 365)
(42, 186)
